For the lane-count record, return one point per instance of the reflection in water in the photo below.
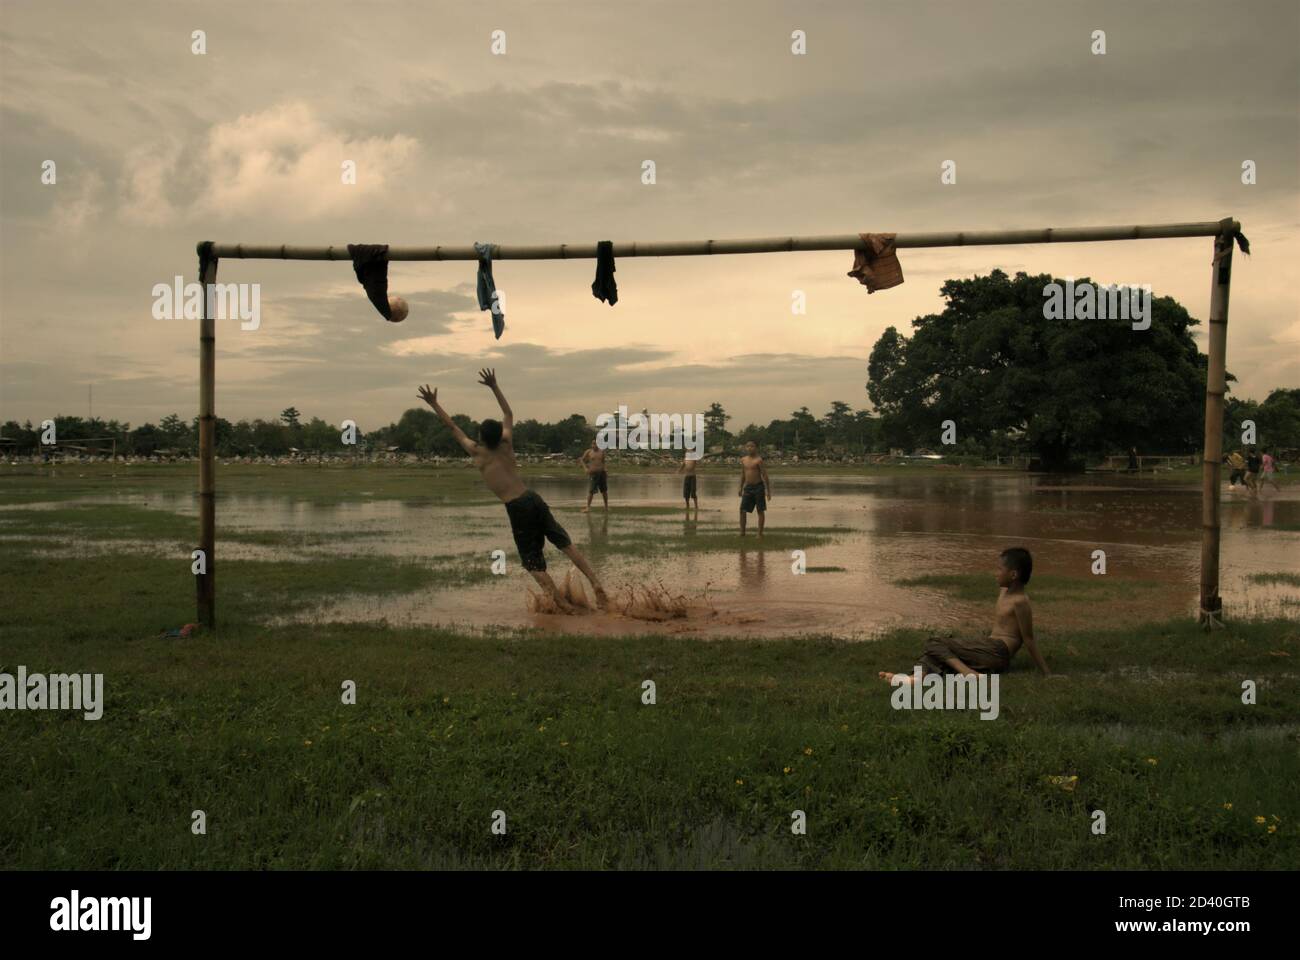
(598, 529)
(753, 569)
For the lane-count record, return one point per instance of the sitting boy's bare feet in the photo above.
(887, 676)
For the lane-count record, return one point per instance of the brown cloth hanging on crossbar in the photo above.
(876, 264)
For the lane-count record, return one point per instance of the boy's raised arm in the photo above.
(489, 379)
(431, 398)
(1025, 621)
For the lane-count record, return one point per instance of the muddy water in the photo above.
(885, 530)
(881, 530)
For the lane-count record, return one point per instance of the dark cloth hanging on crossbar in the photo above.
(205, 258)
(1224, 240)
(487, 288)
(370, 261)
(604, 287)
(875, 264)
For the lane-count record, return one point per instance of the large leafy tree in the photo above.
(1276, 419)
(715, 427)
(995, 366)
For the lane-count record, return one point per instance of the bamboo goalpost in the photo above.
(1223, 231)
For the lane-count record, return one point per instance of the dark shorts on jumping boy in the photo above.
(755, 495)
(599, 482)
(532, 524)
(688, 486)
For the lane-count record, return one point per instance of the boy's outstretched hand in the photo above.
(428, 396)
(487, 377)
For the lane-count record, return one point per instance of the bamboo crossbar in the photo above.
(695, 248)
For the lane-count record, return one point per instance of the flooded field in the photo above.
(881, 551)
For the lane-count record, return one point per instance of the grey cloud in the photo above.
(543, 146)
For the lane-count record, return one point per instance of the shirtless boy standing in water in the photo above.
(530, 517)
(593, 459)
(755, 487)
(1013, 626)
(690, 482)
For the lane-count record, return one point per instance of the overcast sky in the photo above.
(157, 148)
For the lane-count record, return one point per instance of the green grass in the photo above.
(247, 725)
(116, 521)
(1290, 579)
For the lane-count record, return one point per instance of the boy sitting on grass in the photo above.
(1013, 625)
(530, 517)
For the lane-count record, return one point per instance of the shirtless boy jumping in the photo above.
(755, 487)
(1013, 626)
(593, 459)
(530, 517)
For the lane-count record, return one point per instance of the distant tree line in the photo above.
(989, 369)
(419, 431)
(839, 431)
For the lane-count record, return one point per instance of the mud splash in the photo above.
(653, 603)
